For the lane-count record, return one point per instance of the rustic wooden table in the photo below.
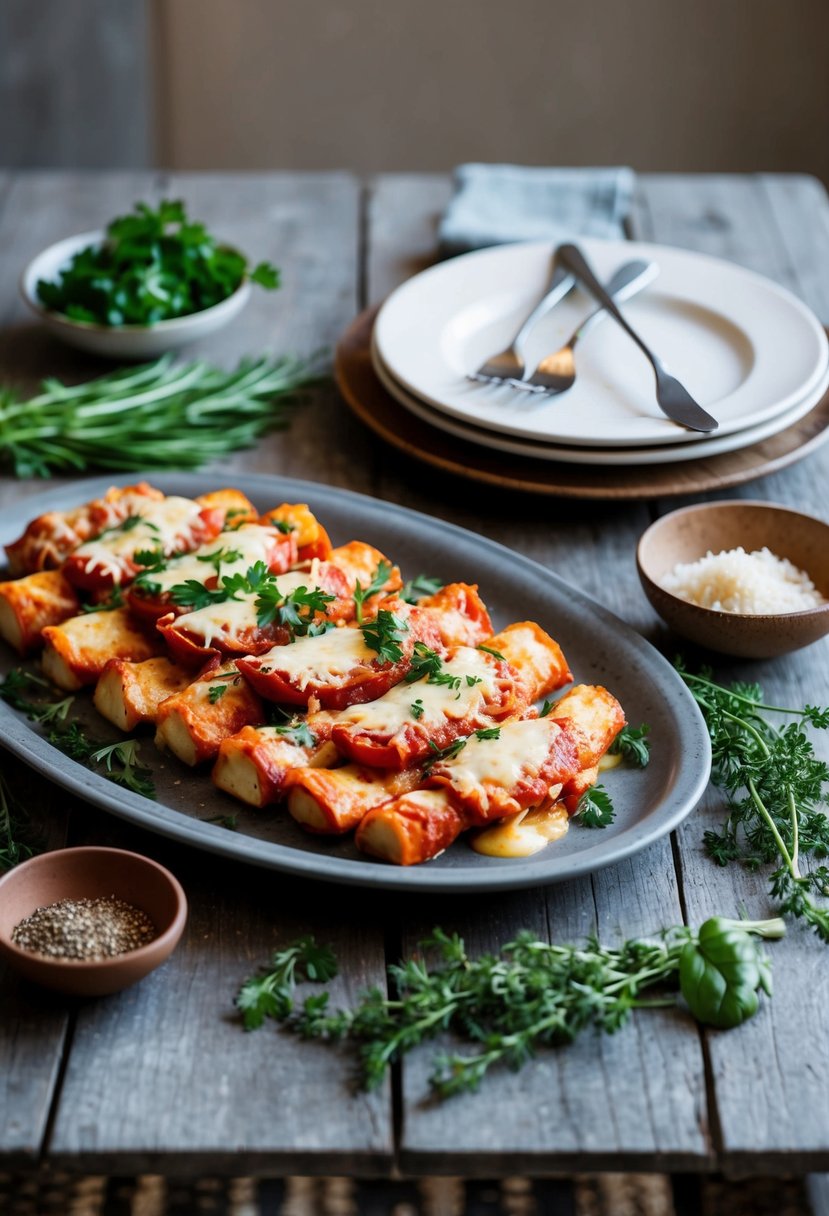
(161, 1078)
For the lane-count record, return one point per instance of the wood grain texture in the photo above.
(771, 1079)
(75, 84)
(162, 1077)
(638, 1098)
(33, 1024)
(163, 1073)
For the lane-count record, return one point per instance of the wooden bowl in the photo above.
(91, 873)
(688, 534)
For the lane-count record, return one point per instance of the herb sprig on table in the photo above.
(158, 416)
(775, 787)
(155, 264)
(506, 1006)
(117, 762)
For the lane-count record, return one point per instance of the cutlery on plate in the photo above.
(673, 398)
(557, 372)
(510, 362)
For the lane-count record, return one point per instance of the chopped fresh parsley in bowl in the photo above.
(152, 281)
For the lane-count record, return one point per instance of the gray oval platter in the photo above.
(600, 648)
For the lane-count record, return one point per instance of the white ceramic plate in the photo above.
(746, 348)
(665, 454)
(601, 649)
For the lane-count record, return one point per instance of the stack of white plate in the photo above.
(746, 349)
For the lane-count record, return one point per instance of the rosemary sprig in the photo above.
(156, 416)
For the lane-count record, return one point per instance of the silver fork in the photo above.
(557, 372)
(510, 362)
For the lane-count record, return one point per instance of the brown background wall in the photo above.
(423, 84)
(416, 84)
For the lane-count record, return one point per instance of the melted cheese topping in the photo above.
(327, 659)
(389, 713)
(519, 751)
(252, 541)
(524, 834)
(163, 525)
(232, 618)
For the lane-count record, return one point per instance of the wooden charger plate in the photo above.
(370, 401)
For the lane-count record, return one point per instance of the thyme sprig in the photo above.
(19, 839)
(775, 787)
(506, 1005)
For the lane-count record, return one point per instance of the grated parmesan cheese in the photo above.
(736, 581)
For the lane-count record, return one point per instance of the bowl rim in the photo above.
(700, 609)
(84, 239)
(168, 936)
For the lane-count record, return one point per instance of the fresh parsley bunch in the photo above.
(155, 264)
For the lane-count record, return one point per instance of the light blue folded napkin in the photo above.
(494, 204)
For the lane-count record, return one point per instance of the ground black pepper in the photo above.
(84, 929)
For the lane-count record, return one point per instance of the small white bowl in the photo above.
(120, 341)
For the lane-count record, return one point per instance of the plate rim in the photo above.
(21, 739)
(467, 431)
(625, 247)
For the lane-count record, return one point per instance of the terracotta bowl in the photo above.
(90, 873)
(688, 534)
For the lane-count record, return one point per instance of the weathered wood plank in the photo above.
(33, 1024)
(770, 1079)
(163, 1074)
(162, 1078)
(638, 1098)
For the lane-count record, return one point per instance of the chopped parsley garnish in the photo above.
(495, 653)
(425, 662)
(378, 582)
(489, 732)
(114, 600)
(216, 692)
(416, 708)
(283, 526)
(446, 753)
(297, 610)
(595, 809)
(193, 594)
(220, 556)
(419, 588)
(545, 709)
(384, 634)
(471, 681)
(298, 732)
(632, 744)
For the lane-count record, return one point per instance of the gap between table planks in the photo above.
(766, 1091)
(592, 1103)
(770, 1081)
(162, 1077)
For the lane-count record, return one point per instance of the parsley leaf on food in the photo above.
(595, 809)
(378, 582)
(632, 744)
(419, 588)
(384, 634)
